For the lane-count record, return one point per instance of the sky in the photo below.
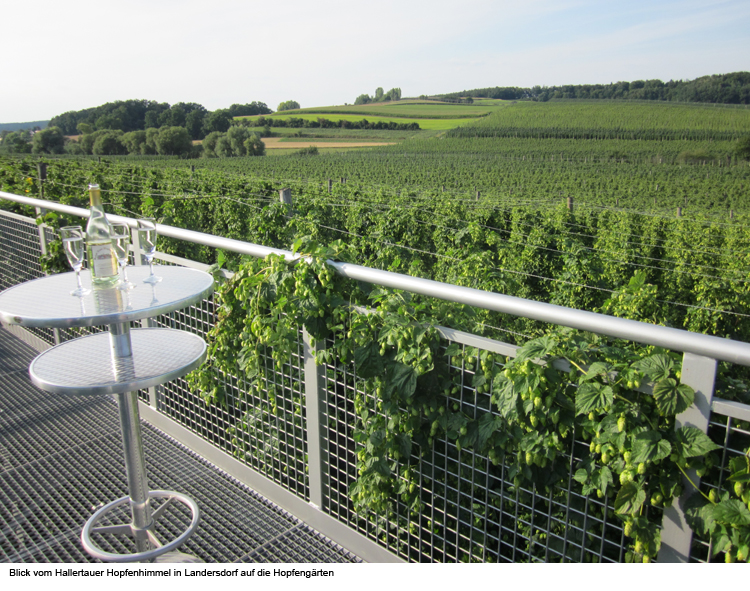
(66, 56)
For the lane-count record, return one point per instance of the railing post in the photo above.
(42, 231)
(285, 196)
(135, 241)
(42, 176)
(41, 168)
(699, 373)
(314, 413)
(43, 248)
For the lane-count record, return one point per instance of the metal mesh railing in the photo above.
(20, 251)
(265, 428)
(471, 510)
(733, 435)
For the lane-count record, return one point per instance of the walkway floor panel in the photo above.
(61, 458)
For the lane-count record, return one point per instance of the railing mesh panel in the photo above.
(263, 427)
(734, 438)
(20, 250)
(472, 512)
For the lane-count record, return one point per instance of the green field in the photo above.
(485, 102)
(422, 109)
(429, 115)
(424, 123)
(644, 156)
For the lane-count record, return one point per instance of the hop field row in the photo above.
(582, 258)
(611, 120)
(637, 175)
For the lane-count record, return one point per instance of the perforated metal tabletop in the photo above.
(46, 302)
(86, 365)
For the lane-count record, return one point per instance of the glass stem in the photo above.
(78, 277)
(151, 266)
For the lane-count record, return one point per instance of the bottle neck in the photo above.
(97, 227)
(95, 196)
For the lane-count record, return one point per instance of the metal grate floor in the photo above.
(61, 458)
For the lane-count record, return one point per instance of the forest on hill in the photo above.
(731, 88)
(137, 115)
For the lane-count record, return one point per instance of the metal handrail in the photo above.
(648, 334)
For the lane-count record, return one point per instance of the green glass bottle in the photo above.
(101, 254)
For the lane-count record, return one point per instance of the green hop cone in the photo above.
(628, 530)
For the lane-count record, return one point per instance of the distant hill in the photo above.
(27, 125)
(731, 88)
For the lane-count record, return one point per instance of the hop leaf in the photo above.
(593, 396)
(691, 442)
(630, 499)
(732, 512)
(656, 367)
(649, 446)
(672, 398)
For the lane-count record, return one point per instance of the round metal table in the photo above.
(119, 363)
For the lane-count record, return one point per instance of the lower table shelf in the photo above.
(86, 365)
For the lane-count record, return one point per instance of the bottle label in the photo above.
(102, 260)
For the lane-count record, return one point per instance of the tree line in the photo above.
(139, 115)
(322, 122)
(731, 88)
(164, 141)
(135, 127)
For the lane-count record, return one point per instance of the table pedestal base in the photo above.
(146, 533)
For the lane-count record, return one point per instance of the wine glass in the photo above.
(120, 233)
(72, 239)
(147, 238)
